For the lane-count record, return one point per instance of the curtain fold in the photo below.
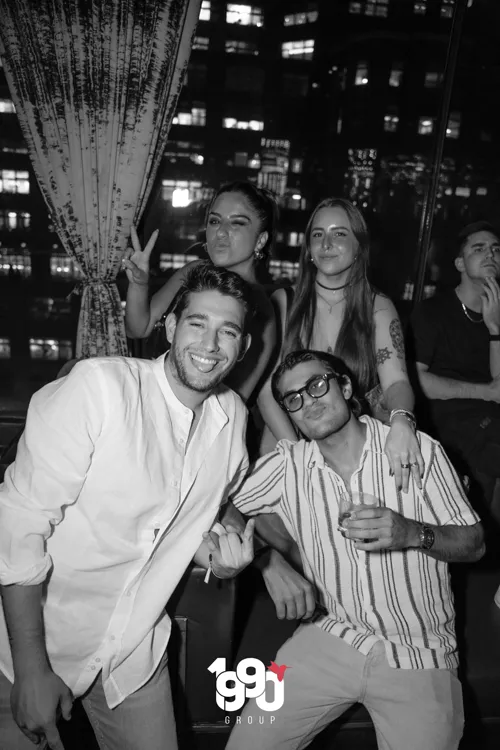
(95, 85)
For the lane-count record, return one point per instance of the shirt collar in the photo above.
(374, 443)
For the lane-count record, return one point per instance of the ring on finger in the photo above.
(405, 466)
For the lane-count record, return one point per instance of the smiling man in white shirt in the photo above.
(120, 472)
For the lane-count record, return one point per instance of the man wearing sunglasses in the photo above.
(387, 638)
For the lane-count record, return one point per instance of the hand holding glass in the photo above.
(349, 502)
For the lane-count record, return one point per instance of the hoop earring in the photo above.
(204, 247)
(258, 254)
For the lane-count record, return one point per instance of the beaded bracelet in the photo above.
(404, 413)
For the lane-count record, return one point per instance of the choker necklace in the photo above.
(468, 316)
(332, 288)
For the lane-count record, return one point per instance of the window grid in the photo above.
(447, 7)
(237, 47)
(14, 219)
(197, 116)
(244, 15)
(425, 125)
(298, 19)
(232, 122)
(420, 8)
(7, 106)
(201, 42)
(396, 75)
(64, 267)
(205, 11)
(14, 181)
(302, 49)
(50, 349)
(4, 348)
(361, 76)
(12, 262)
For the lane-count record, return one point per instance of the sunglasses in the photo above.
(316, 387)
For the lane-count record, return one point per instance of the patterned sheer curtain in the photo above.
(95, 85)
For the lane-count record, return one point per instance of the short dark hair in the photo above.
(476, 226)
(329, 361)
(263, 203)
(205, 277)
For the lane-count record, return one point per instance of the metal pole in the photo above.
(429, 205)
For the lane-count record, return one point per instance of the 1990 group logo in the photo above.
(249, 680)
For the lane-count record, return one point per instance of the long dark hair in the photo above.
(265, 206)
(355, 340)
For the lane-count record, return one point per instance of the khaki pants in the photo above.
(411, 709)
(143, 721)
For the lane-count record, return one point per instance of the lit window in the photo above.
(4, 348)
(283, 269)
(48, 308)
(396, 75)
(391, 122)
(7, 106)
(14, 149)
(369, 7)
(197, 116)
(14, 219)
(296, 166)
(420, 7)
(453, 129)
(50, 349)
(232, 122)
(201, 42)
(482, 191)
(297, 19)
(64, 267)
(254, 162)
(462, 191)
(302, 49)
(234, 46)
(170, 261)
(295, 239)
(361, 77)
(245, 15)
(181, 192)
(447, 8)
(12, 262)
(14, 181)
(240, 159)
(433, 78)
(294, 201)
(205, 11)
(425, 125)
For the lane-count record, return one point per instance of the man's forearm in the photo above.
(494, 358)
(22, 607)
(452, 544)
(437, 387)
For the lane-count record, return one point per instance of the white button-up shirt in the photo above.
(104, 495)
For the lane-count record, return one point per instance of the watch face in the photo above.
(426, 538)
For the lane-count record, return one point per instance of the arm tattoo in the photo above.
(397, 338)
(382, 355)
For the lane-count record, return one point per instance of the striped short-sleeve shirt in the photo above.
(402, 598)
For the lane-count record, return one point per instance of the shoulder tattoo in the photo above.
(382, 355)
(397, 338)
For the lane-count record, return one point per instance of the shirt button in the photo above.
(93, 668)
(97, 659)
(112, 638)
(175, 484)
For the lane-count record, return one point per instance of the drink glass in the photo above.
(350, 501)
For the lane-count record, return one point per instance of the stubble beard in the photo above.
(181, 375)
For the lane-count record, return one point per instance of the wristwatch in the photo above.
(426, 537)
